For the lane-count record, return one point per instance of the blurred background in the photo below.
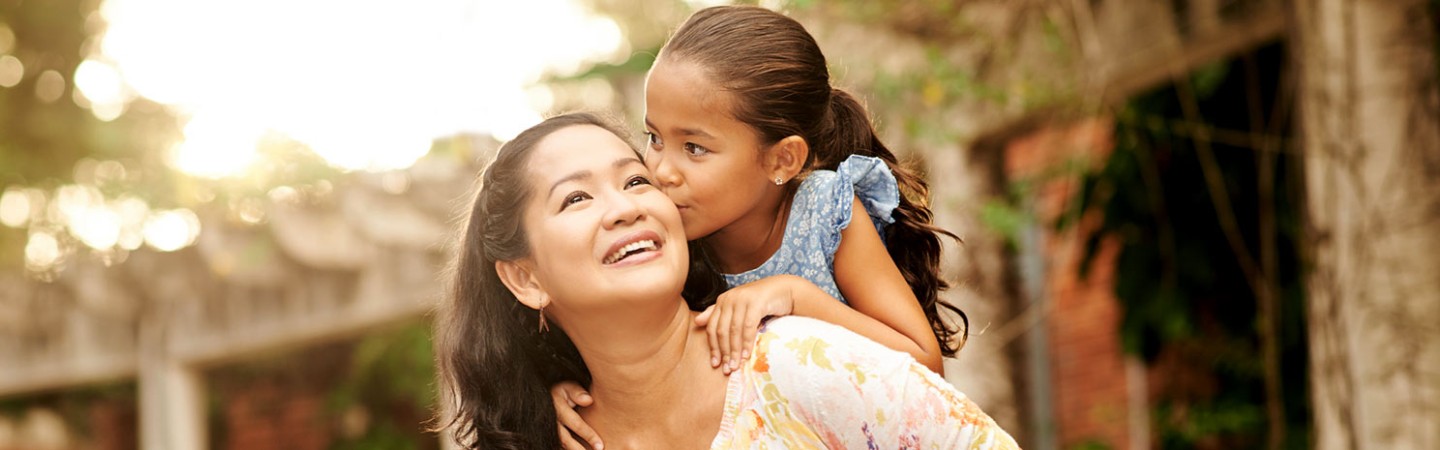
(1187, 223)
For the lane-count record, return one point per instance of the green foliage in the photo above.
(392, 376)
(1188, 307)
(1091, 444)
(1003, 219)
(639, 62)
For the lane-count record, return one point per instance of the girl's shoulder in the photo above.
(827, 196)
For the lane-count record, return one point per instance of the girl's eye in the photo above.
(636, 181)
(573, 198)
(653, 140)
(695, 150)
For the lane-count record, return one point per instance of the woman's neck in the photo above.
(734, 249)
(652, 380)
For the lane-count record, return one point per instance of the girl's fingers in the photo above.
(739, 319)
(573, 394)
(721, 325)
(710, 337)
(704, 317)
(752, 326)
(566, 395)
(567, 442)
(571, 420)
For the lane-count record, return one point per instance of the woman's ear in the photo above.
(786, 158)
(519, 277)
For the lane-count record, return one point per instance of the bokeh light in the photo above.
(14, 207)
(50, 86)
(171, 230)
(11, 71)
(42, 251)
(102, 87)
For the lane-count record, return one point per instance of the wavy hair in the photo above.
(495, 366)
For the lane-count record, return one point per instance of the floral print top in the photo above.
(812, 384)
(819, 211)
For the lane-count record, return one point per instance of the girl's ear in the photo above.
(786, 158)
(519, 277)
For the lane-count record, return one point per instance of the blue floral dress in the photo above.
(820, 210)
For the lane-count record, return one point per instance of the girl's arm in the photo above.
(873, 285)
(882, 307)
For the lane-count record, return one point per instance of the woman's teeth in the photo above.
(634, 247)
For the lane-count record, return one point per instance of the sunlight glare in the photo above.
(365, 85)
(216, 146)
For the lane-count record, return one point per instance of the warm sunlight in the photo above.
(366, 85)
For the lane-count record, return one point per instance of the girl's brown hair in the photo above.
(782, 88)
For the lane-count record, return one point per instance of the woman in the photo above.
(571, 267)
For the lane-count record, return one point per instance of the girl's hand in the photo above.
(567, 395)
(732, 322)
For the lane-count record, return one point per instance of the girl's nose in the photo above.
(665, 173)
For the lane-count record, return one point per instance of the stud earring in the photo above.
(779, 181)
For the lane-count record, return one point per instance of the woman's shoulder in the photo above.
(808, 344)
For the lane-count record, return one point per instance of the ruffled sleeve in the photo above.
(871, 180)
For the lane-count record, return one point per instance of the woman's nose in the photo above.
(623, 210)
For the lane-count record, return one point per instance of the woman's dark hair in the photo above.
(496, 367)
(782, 88)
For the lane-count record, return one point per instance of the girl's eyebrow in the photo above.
(586, 174)
(683, 131)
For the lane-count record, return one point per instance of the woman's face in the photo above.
(708, 162)
(598, 229)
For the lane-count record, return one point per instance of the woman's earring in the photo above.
(779, 181)
(543, 326)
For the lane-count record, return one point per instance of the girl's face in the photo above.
(708, 162)
(599, 231)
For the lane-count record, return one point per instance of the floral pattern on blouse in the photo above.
(812, 384)
(820, 210)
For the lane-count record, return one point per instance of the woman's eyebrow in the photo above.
(586, 174)
(577, 175)
(628, 160)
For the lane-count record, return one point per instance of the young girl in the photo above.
(767, 164)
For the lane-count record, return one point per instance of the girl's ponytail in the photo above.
(913, 240)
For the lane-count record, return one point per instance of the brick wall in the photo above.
(270, 415)
(1088, 371)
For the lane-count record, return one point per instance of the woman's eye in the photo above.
(573, 198)
(695, 150)
(636, 181)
